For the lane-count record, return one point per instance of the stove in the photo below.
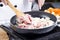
(52, 35)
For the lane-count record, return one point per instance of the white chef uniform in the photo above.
(6, 12)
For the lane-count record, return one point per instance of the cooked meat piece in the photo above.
(33, 23)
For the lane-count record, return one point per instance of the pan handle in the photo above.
(9, 31)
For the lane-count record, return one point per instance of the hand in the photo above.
(31, 0)
(41, 3)
(4, 1)
(0, 0)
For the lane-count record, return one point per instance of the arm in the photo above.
(0, 0)
(4, 1)
(40, 3)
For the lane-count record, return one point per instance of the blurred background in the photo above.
(52, 0)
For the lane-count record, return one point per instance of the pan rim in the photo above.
(55, 23)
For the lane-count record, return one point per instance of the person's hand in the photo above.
(41, 3)
(4, 1)
(31, 0)
(25, 19)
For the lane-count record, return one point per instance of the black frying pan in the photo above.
(40, 14)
